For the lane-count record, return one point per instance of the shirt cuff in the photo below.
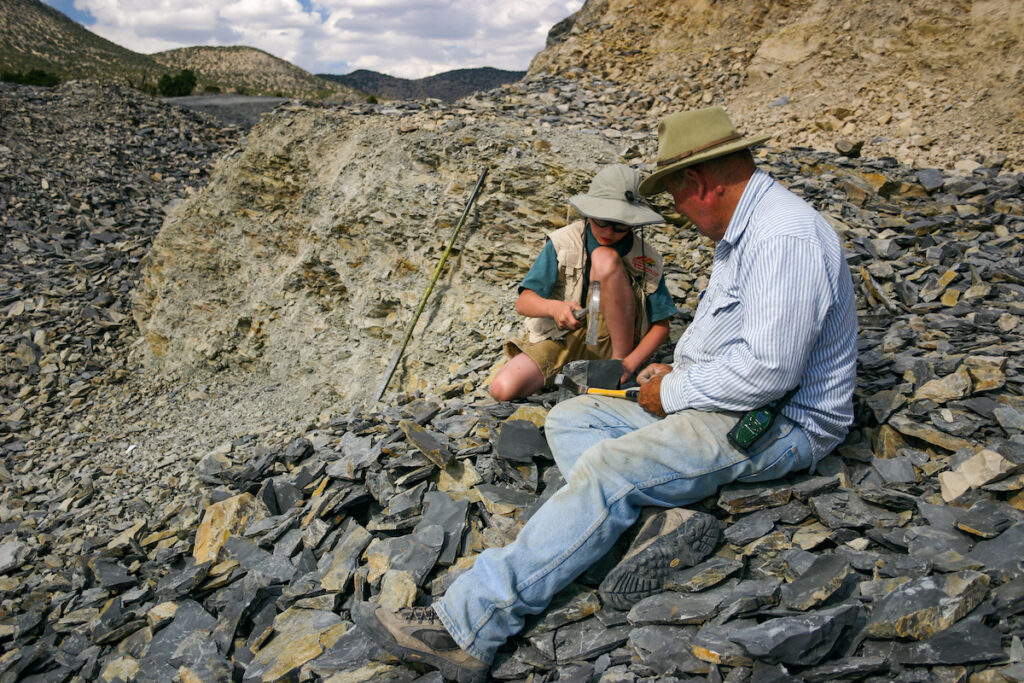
(672, 392)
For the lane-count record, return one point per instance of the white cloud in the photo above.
(407, 38)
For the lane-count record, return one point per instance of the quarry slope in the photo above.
(925, 82)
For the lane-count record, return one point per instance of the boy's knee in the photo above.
(604, 261)
(501, 389)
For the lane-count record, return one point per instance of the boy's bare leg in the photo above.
(519, 377)
(617, 301)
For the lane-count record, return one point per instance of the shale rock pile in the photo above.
(216, 514)
(87, 174)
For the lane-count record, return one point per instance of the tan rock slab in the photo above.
(953, 485)
(397, 589)
(933, 436)
(161, 614)
(985, 467)
(222, 519)
(299, 636)
(123, 669)
(811, 535)
(346, 559)
(373, 671)
(889, 442)
(534, 414)
(459, 479)
(952, 387)
(125, 538)
(987, 372)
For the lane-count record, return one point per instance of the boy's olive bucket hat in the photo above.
(690, 137)
(614, 195)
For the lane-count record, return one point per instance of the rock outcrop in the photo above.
(308, 253)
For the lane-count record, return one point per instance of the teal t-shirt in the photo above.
(543, 274)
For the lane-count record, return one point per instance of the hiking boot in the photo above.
(415, 634)
(670, 540)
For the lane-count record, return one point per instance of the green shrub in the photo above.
(370, 99)
(177, 86)
(212, 89)
(31, 77)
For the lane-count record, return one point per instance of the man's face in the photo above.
(684, 194)
(684, 187)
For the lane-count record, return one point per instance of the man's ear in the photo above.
(698, 181)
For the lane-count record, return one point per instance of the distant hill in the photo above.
(36, 36)
(251, 71)
(448, 86)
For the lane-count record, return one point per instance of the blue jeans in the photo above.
(616, 458)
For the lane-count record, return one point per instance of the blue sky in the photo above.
(405, 38)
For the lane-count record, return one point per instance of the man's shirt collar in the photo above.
(757, 185)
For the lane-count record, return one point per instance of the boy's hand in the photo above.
(562, 312)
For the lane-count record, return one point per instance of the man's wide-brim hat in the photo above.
(614, 195)
(690, 137)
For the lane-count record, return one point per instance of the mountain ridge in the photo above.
(447, 86)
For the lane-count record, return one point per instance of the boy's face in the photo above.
(607, 233)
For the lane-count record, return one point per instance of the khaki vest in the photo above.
(571, 251)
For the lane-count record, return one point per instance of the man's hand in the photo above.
(651, 371)
(649, 380)
(562, 312)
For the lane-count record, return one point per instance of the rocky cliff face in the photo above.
(926, 82)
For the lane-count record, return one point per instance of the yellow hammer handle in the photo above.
(618, 393)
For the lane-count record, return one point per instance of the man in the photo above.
(635, 303)
(778, 314)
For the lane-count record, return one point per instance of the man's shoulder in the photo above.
(782, 213)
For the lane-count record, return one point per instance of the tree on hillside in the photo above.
(177, 86)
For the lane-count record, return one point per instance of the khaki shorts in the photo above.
(551, 355)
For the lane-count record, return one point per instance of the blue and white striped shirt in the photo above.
(778, 311)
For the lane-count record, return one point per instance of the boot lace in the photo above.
(421, 615)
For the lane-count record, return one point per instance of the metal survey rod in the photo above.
(430, 287)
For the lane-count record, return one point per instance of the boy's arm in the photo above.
(533, 305)
(648, 344)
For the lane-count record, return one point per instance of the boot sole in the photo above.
(644, 574)
(364, 617)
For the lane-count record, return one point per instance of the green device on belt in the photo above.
(755, 423)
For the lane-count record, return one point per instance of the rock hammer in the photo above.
(591, 312)
(580, 389)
